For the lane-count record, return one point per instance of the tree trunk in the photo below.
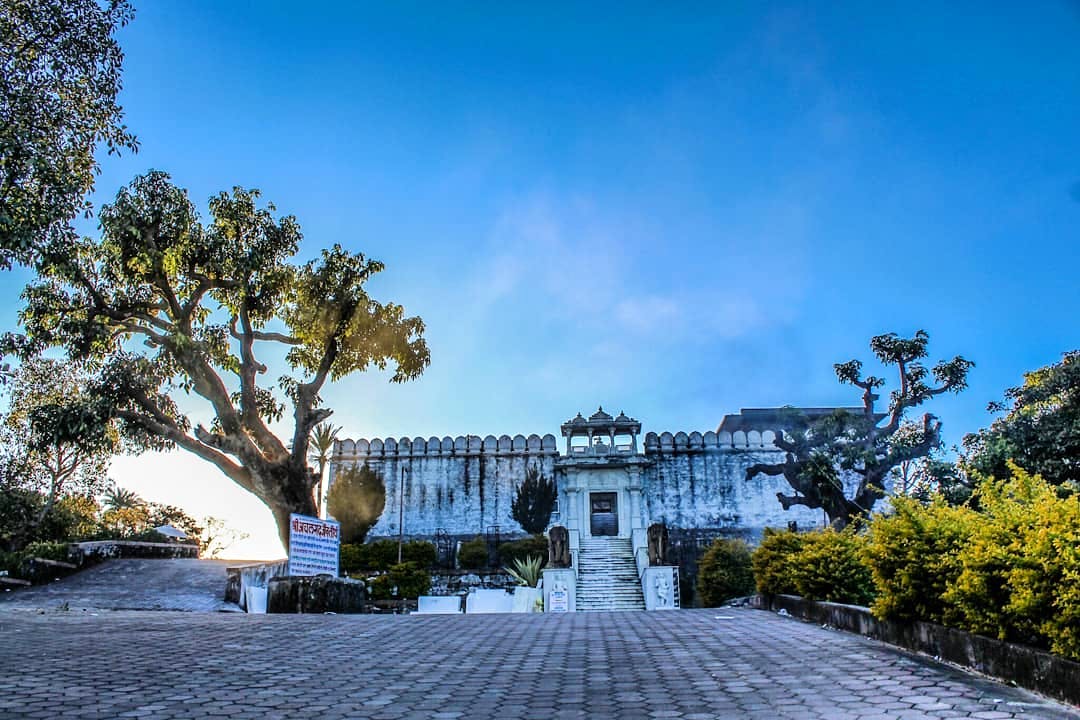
(288, 492)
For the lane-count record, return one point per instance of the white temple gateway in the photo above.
(610, 488)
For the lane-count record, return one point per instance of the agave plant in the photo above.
(527, 571)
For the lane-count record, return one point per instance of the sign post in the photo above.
(314, 546)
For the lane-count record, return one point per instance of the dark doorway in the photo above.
(603, 514)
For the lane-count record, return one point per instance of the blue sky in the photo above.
(673, 212)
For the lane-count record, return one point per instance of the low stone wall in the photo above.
(85, 553)
(1025, 666)
(459, 582)
(239, 577)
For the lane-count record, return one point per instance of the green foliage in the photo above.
(379, 555)
(521, 549)
(164, 306)
(913, 555)
(1040, 430)
(53, 443)
(473, 554)
(410, 580)
(382, 555)
(829, 567)
(351, 558)
(48, 551)
(724, 572)
(533, 502)
(18, 563)
(58, 103)
(72, 518)
(527, 571)
(356, 500)
(773, 559)
(18, 510)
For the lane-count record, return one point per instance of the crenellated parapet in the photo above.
(681, 442)
(467, 445)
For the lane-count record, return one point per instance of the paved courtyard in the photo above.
(731, 663)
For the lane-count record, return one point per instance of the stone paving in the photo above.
(693, 664)
(191, 585)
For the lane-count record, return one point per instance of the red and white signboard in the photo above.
(314, 546)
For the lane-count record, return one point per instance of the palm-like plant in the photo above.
(527, 571)
(118, 498)
(322, 437)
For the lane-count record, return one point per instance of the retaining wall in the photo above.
(1025, 666)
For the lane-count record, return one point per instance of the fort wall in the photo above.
(461, 485)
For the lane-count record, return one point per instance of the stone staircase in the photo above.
(607, 576)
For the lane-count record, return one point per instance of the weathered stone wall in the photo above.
(461, 486)
(698, 480)
(464, 485)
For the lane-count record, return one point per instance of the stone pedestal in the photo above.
(557, 582)
(317, 594)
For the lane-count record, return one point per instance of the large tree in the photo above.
(59, 80)
(867, 444)
(55, 439)
(1040, 428)
(170, 307)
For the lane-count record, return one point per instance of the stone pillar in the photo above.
(572, 508)
(634, 488)
(563, 584)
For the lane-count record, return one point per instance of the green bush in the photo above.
(410, 580)
(521, 550)
(725, 572)
(12, 563)
(772, 562)
(423, 553)
(473, 554)
(830, 567)
(47, 550)
(382, 554)
(351, 558)
(913, 557)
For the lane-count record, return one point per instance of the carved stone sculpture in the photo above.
(558, 547)
(658, 544)
(663, 591)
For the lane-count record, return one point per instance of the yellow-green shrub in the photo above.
(913, 554)
(772, 562)
(724, 572)
(1020, 571)
(829, 567)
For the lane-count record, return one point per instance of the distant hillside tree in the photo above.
(868, 444)
(356, 500)
(1040, 430)
(534, 501)
(55, 441)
